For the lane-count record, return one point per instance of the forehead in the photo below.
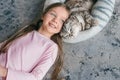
(61, 11)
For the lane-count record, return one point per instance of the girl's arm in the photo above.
(39, 71)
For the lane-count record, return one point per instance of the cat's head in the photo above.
(73, 26)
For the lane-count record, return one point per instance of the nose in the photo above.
(55, 20)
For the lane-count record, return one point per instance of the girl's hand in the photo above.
(3, 71)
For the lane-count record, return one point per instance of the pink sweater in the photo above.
(29, 57)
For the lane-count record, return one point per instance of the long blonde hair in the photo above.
(35, 26)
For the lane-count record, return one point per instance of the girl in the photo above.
(30, 53)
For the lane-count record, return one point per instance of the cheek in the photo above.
(46, 18)
(60, 27)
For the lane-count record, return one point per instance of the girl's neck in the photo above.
(43, 32)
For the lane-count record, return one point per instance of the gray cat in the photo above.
(80, 18)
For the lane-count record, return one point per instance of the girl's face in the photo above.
(53, 20)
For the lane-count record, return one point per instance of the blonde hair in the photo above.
(35, 26)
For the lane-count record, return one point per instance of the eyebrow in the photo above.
(52, 10)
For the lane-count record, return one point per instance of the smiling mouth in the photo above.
(52, 25)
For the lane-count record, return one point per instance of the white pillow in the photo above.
(102, 11)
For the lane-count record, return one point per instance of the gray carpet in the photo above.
(97, 58)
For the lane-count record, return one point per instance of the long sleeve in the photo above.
(39, 71)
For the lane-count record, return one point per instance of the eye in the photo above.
(53, 14)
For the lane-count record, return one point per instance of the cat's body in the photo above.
(80, 18)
